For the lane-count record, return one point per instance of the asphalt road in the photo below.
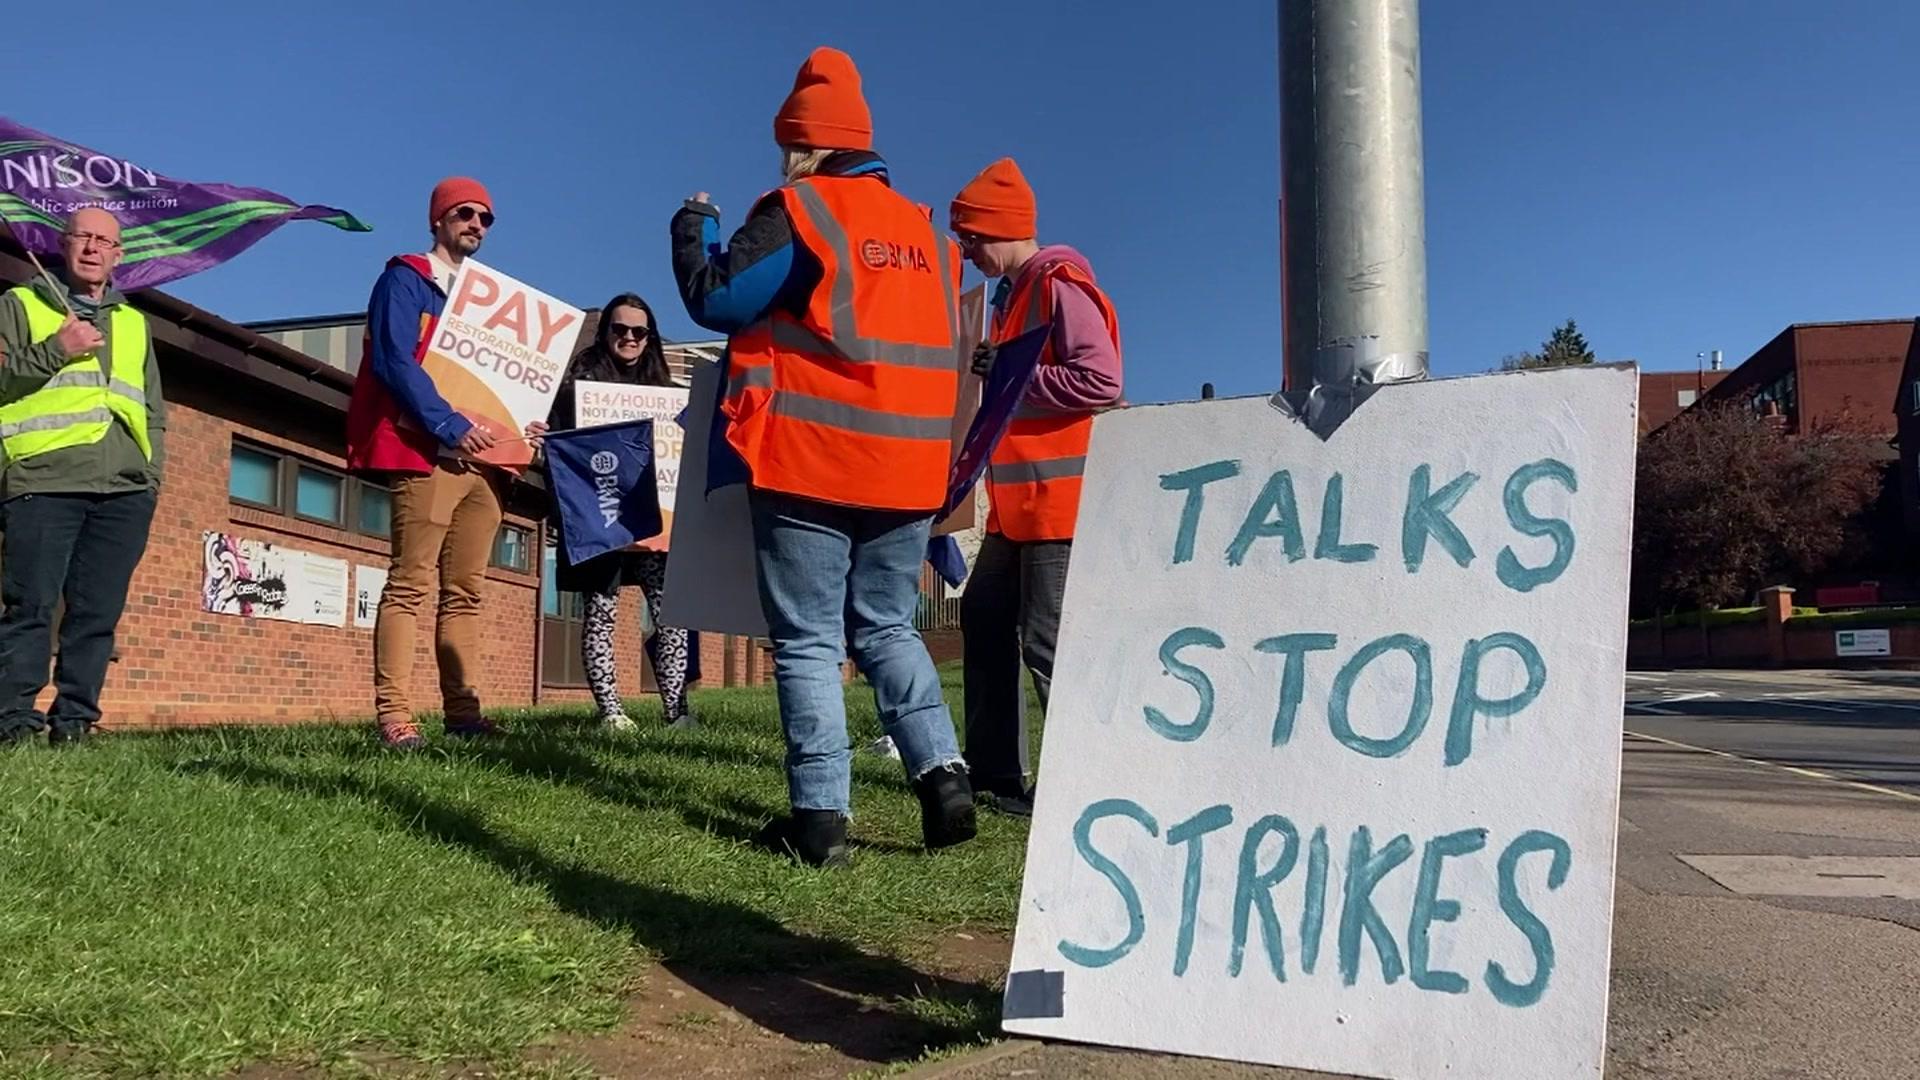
(1856, 725)
(1767, 903)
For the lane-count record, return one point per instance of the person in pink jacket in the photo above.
(1011, 609)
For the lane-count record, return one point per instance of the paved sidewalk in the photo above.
(1707, 983)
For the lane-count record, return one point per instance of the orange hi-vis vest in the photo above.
(1034, 477)
(852, 402)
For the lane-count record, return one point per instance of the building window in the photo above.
(275, 481)
(1687, 398)
(1779, 397)
(1916, 397)
(319, 495)
(254, 477)
(375, 515)
(561, 614)
(513, 549)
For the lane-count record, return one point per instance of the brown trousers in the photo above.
(444, 526)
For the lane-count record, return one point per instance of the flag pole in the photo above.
(58, 292)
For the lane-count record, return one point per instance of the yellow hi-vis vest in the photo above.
(78, 405)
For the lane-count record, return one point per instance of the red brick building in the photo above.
(1906, 409)
(1825, 373)
(1666, 394)
(256, 438)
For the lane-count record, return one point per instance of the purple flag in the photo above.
(1006, 385)
(168, 228)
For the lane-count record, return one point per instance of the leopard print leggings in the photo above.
(666, 646)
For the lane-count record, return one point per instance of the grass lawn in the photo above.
(192, 903)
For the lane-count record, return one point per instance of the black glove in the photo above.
(984, 354)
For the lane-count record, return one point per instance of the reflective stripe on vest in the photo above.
(1034, 477)
(852, 401)
(78, 405)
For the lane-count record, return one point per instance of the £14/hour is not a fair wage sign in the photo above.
(1332, 765)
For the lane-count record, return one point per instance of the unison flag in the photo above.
(168, 228)
(602, 481)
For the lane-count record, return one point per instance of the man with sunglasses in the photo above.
(81, 424)
(446, 508)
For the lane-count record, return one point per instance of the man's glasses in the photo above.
(468, 213)
(82, 239)
(622, 330)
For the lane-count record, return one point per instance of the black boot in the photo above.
(946, 807)
(815, 837)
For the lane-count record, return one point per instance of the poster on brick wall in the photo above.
(368, 583)
(255, 579)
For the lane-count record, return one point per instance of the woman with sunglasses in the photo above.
(626, 349)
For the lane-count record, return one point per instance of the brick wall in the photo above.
(179, 665)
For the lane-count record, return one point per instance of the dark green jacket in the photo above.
(112, 465)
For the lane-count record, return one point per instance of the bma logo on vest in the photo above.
(606, 485)
(882, 255)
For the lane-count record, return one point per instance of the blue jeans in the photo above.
(833, 577)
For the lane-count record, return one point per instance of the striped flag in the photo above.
(168, 228)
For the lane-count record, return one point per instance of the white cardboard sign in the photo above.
(1331, 773)
(710, 578)
(596, 403)
(497, 354)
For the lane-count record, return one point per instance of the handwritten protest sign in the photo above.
(711, 582)
(497, 355)
(596, 403)
(1331, 773)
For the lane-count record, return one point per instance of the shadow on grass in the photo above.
(726, 815)
(805, 988)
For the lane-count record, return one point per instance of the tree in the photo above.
(1728, 502)
(1565, 347)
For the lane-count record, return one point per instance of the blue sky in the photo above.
(1677, 177)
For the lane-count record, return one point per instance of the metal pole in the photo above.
(1353, 204)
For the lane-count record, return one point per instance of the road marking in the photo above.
(1815, 774)
(1875, 876)
(1658, 710)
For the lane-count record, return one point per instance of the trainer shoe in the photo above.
(401, 734)
(478, 727)
(1014, 803)
(65, 735)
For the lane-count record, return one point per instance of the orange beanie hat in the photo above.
(453, 191)
(997, 204)
(825, 110)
